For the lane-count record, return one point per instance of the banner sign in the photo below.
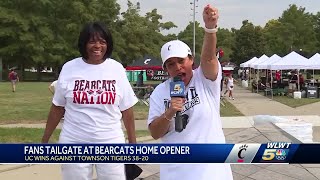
(272, 152)
(157, 75)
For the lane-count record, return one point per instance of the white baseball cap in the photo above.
(175, 48)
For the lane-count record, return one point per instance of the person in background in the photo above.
(201, 103)
(246, 73)
(293, 82)
(14, 78)
(221, 84)
(52, 86)
(140, 79)
(301, 80)
(278, 76)
(93, 99)
(52, 89)
(230, 85)
(149, 90)
(312, 80)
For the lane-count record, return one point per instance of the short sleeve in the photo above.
(213, 86)
(129, 98)
(156, 108)
(60, 91)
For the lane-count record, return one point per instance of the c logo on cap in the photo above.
(169, 47)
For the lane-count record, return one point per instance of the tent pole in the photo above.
(267, 76)
(257, 76)
(313, 78)
(249, 75)
(271, 90)
(298, 73)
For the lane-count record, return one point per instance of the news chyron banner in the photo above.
(272, 152)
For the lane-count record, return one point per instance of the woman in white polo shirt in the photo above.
(94, 94)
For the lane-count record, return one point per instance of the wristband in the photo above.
(214, 30)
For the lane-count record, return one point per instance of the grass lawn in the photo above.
(141, 111)
(289, 101)
(31, 103)
(229, 110)
(34, 135)
(32, 100)
(146, 82)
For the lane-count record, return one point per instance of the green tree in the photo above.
(45, 31)
(225, 41)
(299, 29)
(187, 36)
(25, 31)
(248, 42)
(316, 23)
(141, 34)
(275, 38)
(68, 17)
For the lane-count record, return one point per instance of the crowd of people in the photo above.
(284, 82)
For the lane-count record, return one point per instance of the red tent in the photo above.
(132, 68)
(152, 66)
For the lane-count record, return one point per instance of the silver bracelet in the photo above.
(165, 117)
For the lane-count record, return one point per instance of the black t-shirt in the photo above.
(294, 78)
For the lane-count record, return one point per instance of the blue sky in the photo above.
(232, 12)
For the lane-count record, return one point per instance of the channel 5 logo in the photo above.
(177, 87)
(276, 151)
(275, 154)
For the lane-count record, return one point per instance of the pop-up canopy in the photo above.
(291, 61)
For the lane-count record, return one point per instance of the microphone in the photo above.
(177, 89)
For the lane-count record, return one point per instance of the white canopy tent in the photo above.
(262, 59)
(291, 61)
(264, 65)
(258, 61)
(246, 64)
(314, 62)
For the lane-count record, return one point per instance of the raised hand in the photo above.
(210, 16)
